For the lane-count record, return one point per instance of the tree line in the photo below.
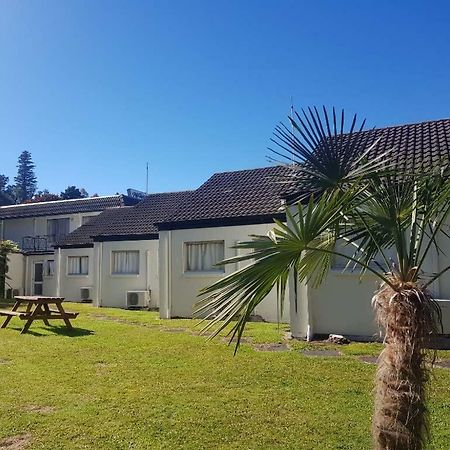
(25, 188)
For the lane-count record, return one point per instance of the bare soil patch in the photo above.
(244, 340)
(272, 347)
(174, 330)
(369, 359)
(18, 442)
(124, 321)
(324, 352)
(40, 409)
(443, 364)
(5, 361)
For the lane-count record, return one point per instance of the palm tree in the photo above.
(350, 193)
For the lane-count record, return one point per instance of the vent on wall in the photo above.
(137, 299)
(86, 294)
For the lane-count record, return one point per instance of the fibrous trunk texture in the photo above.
(408, 317)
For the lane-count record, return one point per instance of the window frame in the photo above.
(52, 238)
(77, 274)
(125, 274)
(47, 272)
(202, 273)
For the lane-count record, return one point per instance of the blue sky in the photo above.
(94, 89)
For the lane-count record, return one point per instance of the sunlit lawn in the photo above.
(124, 380)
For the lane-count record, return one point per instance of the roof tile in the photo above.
(65, 206)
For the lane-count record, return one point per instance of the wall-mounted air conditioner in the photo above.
(86, 294)
(11, 293)
(137, 299)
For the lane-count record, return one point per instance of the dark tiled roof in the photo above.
(137, 221)
(418, 146)
(254, 196)
(65, 206)
(244, 196)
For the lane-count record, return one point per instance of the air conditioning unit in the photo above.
(11, 293)
(137, 299)
(86, 294)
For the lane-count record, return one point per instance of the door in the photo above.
(38, 278)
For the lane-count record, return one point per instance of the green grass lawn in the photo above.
(124, 380)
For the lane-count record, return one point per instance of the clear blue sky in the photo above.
(94, 89)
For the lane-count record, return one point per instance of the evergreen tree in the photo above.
(26, 179)
(72, 192)
(6, 197)
(44, 196)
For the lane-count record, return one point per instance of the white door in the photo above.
(38, 277)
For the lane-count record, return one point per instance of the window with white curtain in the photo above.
(57, 228)
(203, 256)
(50, 268)
(125, 262)
(77, 265)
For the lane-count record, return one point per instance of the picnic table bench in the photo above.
(37, 308)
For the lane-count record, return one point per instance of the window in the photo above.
(86, 219)
(77, 265)
(203, 256)
(50, 268)
(57, 228)
(125, 262)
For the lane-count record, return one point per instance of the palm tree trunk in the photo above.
(408, 318)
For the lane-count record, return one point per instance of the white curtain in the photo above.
(125, 262)
(78, 265)
(203, 256)
(57, 228)
(50, 267)
(84, 265)
(73, 265)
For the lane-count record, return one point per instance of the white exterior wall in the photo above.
(179, 290)
(443, 283)
(70, 285)
(49, 282)
(16, 229)
(16, 272)
(112, 289)
(342, 304)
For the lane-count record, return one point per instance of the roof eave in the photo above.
(221, 222)
(126, 237)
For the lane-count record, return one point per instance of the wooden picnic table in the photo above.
(37, 308)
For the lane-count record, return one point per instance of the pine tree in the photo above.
(26, 179)
(72, 192)
(6, 197)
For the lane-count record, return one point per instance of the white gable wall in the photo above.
(179, 290)
(112, 288)
(16, 229)
(342, 304)
(48, 283)
(16, 272)
(69, 286)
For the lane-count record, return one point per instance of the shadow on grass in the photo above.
(59, 330)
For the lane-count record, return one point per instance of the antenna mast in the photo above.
(292, 125)
(146, 180)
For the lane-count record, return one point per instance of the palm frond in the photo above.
(325, 158)
(305, 246)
